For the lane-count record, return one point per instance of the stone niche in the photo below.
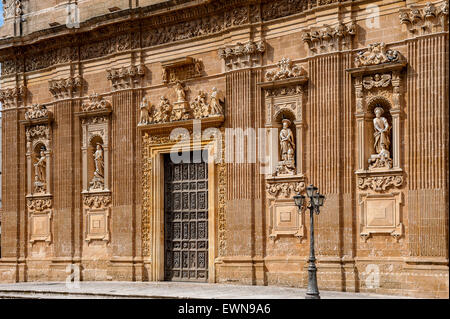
(38, 132)
(378, 83)
(95, 120)
(284, 96)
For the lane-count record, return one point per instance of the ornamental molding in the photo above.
(12, 96)
(125, 77)
(97, 201)
(327, 39)
(242, 55)
(286, 70)
(96, 103)
(423, 20)
(285, 189)
(376, 54)
(64, 88)
(380, 183)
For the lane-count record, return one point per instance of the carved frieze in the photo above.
(376, 54)
(285, 189)
(241, 55)
(64, 88)
(286, 70)
(422, 20)
(97, 201)
(37, 112)
(39, 204)
(377, 81)
(96, 103)
(11, 96)
(380, 183)
(328, 39)
(125, 77)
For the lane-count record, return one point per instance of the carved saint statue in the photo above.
(40, 172)
(145, 112)
(165, 75)
(287, 150)
(99, 173)
(181, 94)
(382, 142)
(216, 102)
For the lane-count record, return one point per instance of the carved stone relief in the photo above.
(36, 112)
(12, 97)
(97, 213)
(422, 20)
(377, 53)
(329, 39)
(178, 71)
(241, 56)
(64, 88)
(286, 70)
(125, 77)
(95, 103)
(380, 183)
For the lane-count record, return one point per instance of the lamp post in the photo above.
(315, 202)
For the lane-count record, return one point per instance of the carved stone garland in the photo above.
(12, 97)
(65, 88)
(241, 56)
(126, 77)
(378, 86)
(95, 123)
(329, 39)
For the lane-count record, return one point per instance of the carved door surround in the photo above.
(38, 131)
(379, 83)
(95, 124)
(284, 94)
(155, 146)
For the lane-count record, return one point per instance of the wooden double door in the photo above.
(186, 220)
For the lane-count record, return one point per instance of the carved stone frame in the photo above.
(155, 147)
(89, 214)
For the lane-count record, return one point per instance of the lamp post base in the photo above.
(312, 296)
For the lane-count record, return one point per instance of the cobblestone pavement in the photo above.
(180, 290)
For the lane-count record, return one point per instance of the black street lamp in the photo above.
(315, 201)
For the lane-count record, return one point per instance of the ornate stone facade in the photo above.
(304, 92)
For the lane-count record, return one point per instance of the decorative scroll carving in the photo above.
(39, 204)
(425, 20)
(242, 55)
(177, 71)
(376, 81)
(10, 97)
(286, 70)
(125, 77)
(376, 54)
(96, 103)
(380, 183)
(64, 88)
(329, 39)
(36, 111)
(37, 131)
(286, 189)
(97, 201)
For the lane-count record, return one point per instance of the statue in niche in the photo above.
(216, 102)
(40, 169)
(98, 181)
(165, 75)
(287, 150)
(181, 93)
(145, 111)
(382, 128)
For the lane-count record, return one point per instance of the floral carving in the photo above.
(63, 88)
(97, 201)
(376, 54)
(96, 103)
(39, 204)
(286, 70)
(242, 55)
(9, 97)
(286, 189)
(425, 20)
(125, 77)
(328, 39)
(36, 111)
(380, 183)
